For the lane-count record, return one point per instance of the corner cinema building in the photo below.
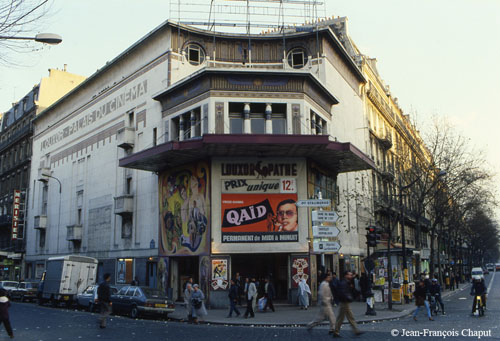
(242, 142)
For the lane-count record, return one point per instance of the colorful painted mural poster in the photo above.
(261, 218)
(185, 211)
(219, 274)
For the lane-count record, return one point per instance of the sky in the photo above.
(439, 57)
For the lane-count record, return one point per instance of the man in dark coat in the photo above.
(269, 294)
(334, 283)
(345, 296)
(4, 312)
(233, 299)
(104, 297)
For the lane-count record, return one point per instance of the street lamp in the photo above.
(403, 243)
(45, 38)
(45, 175)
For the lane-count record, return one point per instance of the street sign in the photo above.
(328, 216)
(326, 246)
(325, 231)
(314, 203)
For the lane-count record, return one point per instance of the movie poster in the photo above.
(259, 218)
(300, 270)
(185, 211)
(219, 274)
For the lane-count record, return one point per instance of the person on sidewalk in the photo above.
(303, 293)
(104, 298)
(239, 284)
(187, 301)
(420, 300)
(233, 299)
(198, 309)
(4, 312)
(269, 294)
(346, 297)
(334, 283)
(326, 310)
(250, 297)
(436, 292)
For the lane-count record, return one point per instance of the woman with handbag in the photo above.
(197, 305)
(420, 300)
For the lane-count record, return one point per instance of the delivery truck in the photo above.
(65, 277)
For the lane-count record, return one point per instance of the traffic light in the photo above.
(371, 236)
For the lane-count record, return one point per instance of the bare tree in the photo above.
(19, 18)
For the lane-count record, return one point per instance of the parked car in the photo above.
(9, 286)
(477, 272)
(134, 301)
(88, 298)
(490, 267)
(25, 291)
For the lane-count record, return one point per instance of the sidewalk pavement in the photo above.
(291, 315)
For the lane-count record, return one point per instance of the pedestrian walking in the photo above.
(239, 284)
(4, 312)
(251, 296)
(303, 293)
(334, 283)
(269, 294)
(345, 294)
(325, 310)
(198, 309)
(233, 299)
(104, 298)
(187, 301)
(420, 300)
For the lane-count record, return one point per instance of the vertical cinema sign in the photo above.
(15, 214)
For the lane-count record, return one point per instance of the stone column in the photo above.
(247, 128)
(193, 124)
(269, 122)
(181, 128)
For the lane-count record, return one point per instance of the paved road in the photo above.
(32, 322)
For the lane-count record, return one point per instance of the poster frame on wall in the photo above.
(220, 282)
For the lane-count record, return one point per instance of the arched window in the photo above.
(297, 58)
(195, 54)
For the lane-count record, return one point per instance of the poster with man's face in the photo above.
(248, 218)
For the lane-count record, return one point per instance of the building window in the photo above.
(257, 123)
(297, 58)
(45, 191)
(318, 124)
(195, 54)
(186, 125)
(279, 123)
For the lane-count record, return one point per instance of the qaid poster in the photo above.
(259, 218)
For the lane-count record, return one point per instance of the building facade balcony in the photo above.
(125, 137)
(40, 222)
(124, 205)
(74, 233)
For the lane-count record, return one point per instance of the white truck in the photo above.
(65, 277)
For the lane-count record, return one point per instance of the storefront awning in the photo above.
(335, 156)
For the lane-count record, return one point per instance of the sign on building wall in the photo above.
(16, 214)
(219, 274)
(259, 218)
(185, 210)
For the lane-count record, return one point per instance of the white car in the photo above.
(88, 297)
(9, 286)
(477, 272)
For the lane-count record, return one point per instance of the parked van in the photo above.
(65, 278)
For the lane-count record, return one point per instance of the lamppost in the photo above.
(45, 38)
(403, 242)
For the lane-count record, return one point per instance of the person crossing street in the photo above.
(326, 310)
(346, 297)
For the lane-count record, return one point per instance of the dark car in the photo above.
(25, 291)
(134, 301)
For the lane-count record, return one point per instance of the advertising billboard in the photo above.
(259, 218)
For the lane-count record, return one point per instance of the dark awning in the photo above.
(335, 156)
